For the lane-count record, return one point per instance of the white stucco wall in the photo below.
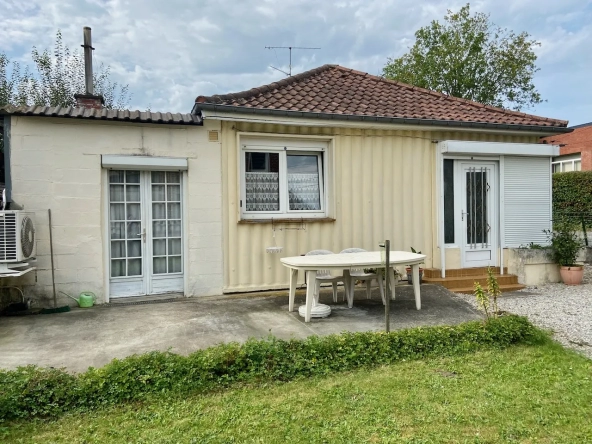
(56, 164)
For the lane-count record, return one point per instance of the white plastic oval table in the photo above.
(347, 262)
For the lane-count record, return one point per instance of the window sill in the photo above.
(289, 220)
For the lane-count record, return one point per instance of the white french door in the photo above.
(145, 232)
(477, 195)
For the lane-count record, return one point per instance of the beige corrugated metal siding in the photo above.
(383, 188)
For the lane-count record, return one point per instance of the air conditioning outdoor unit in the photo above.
(17, 236)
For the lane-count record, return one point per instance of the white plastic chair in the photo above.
(360, 275)
(325, 276)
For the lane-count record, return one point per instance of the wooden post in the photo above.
(387, 299)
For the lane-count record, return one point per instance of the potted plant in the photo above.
(408, 270)
(380, 272)
(565, 246)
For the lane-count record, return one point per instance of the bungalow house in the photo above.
(154, 203)
(335, 158)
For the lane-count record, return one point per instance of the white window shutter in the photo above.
(527, 200)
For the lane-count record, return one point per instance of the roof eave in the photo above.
(144, 120)
(378, 119)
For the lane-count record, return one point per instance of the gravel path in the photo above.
(566, 310)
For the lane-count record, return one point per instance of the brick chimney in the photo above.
(88, 99)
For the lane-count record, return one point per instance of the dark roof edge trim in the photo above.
(378, 119)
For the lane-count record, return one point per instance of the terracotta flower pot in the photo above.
(410, 275)
(572, 275)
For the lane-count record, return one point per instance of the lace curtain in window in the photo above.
(304, 191)
(263, 193)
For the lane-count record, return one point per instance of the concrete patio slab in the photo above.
(93, 337)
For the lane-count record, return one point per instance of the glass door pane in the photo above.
(477, 215)
(166, 223)
(125, 221)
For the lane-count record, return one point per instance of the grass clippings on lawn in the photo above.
(520, 394)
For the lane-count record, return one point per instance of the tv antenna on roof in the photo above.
(290, 48)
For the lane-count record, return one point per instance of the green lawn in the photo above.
(521, 394)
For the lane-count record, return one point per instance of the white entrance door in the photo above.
(145, 232)
(479, 212)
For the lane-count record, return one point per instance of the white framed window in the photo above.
(567, 165)
(283, 179)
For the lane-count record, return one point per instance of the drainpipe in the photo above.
(440, 194)
(501, 211)
(7, 175)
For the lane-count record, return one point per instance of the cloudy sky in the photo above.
(170, 51)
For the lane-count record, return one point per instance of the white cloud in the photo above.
(170, 52)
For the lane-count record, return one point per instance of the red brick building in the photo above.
(576, 149)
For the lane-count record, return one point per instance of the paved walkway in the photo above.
(93, 337)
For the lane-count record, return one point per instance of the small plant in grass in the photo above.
(487, 299)
(482, 299)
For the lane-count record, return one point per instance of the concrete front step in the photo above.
(461, 272)
(503, 288)
(461, 282)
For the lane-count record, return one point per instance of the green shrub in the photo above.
(32, 391)
(572, 196)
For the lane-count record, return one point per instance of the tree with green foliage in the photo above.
(470, 57)
(58, 75)
(9, 80)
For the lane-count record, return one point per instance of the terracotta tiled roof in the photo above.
(102, 114)
(581, 138)
(333, 89)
